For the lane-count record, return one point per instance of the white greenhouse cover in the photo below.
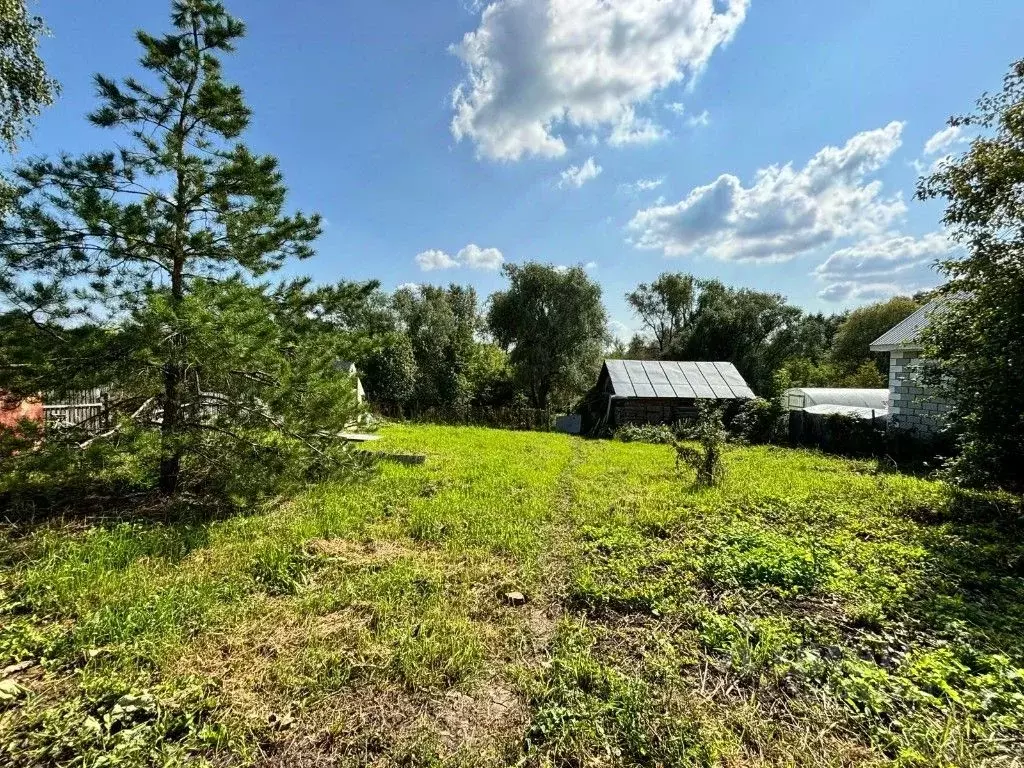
(803, 397)
(852, 411)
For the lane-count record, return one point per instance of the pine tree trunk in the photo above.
(170, 447)
(170, 455)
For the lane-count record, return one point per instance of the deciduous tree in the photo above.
(25, 88)
(554, 326)
(979, 340)
(665, 306)
(851, 348)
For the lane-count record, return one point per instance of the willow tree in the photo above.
(161, 243)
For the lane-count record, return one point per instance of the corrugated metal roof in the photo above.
(672, 380)
(907, 335)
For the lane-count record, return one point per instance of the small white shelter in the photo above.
(347, 366)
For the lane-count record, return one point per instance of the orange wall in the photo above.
(27, 409)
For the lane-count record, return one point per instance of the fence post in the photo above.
(105, 405)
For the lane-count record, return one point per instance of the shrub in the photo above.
(759, 421)
(657, 434)
(710, 434)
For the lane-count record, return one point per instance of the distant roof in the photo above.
(907, 335)
(676, 380)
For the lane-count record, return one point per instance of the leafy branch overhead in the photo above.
(25, 88)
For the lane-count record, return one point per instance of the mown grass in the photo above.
(809, 612)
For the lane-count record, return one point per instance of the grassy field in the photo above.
(811, 612)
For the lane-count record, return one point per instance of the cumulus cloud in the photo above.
(852, 291)
(944, 140)
(635, 130)
(475, 257)
(620, 330)
(435, 259)
(578, 175)
(884, 256)
(590, 265)
(785, 211)
(472, 256)
(537, 70)
(640, 185)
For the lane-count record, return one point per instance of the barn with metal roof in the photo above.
(658, 391)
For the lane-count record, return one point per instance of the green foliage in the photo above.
(491, 377)
(389, 372)
(710, 435)
(656, 434)
(851, 349)
(555, 328)
(441, 324)
(25, 86)
(755, 331)
(665, 307)
(760, 421)
(135, 270)
(978, 339)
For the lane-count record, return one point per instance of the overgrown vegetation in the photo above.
(978, 340)
(528, 597)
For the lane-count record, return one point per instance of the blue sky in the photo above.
(774, 145)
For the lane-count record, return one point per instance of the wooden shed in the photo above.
(658, 392)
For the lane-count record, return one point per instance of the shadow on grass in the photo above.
(973, 586)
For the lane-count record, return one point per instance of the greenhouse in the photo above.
(801, 398)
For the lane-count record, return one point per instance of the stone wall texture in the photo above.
(913, 404)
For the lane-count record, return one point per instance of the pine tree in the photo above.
(160, 244)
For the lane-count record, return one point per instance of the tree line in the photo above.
(147, 269)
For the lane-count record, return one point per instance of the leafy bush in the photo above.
(656, 434)
(759, 421)
(711, 436)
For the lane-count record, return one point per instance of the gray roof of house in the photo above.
(671, 379)
(907, 335)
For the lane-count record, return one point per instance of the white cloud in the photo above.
(635, 130)
(852, 291)
(539, 69)
(884, 256)
(700, 121)
(578, 175)
(677, 107)
(472, 256)
(411, 287)
(641, 185)
(786, 211)
(475, 257)
(590, 266)
(620, 330)
(944, 140)
(435, 259)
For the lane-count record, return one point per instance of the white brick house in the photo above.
(913, 403)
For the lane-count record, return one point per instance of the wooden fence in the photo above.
(89, 410)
